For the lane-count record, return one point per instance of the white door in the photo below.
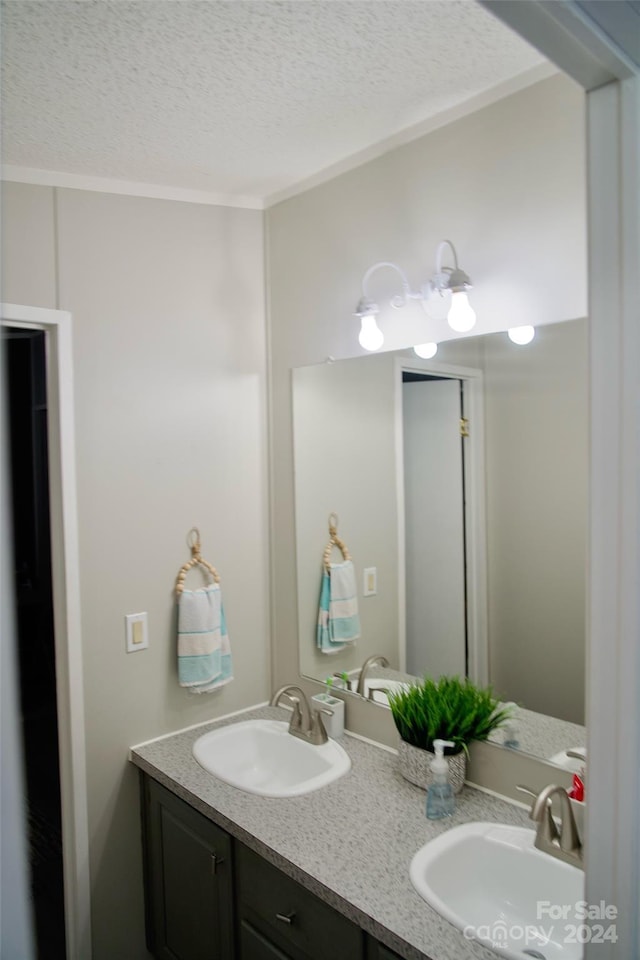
(434, 534)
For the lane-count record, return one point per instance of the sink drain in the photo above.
(535, 954)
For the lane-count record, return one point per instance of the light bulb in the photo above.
(461, 316)
(426, 350)
(370, 335)
(522, 335)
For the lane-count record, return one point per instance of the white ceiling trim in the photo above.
(74, 181)
(131, 188)
(514, 84)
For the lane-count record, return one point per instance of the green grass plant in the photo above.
(449, 708)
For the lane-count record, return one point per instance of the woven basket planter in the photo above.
(415, 766)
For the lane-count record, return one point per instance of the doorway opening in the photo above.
(435, 525)
(442, 523)
(25, 358)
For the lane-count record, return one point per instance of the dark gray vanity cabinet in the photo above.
(378, 951)
(188, 880)
(209, 897)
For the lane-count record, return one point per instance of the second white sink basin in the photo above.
(261, 756)
(489, 880)
(562, 759)
(380, 695)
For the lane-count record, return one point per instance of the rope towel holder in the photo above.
(193, 542)
(334, 541)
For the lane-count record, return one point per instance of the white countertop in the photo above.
(350, 842)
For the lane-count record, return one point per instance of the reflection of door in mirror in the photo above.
(534, 444)
(436, 630)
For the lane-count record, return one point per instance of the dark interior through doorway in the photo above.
(25, 358)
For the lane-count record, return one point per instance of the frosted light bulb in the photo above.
(426, 350)
(461, 316)
(522, 335)
(370, 336)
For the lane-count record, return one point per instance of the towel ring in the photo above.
(334, 541)
(193, 542)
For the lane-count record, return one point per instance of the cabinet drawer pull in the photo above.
(286, 917)
(215, 862)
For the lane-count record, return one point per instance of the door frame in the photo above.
(475, 510)
(595, 44)
(65, 569)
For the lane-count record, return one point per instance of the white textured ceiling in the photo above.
(236, 97)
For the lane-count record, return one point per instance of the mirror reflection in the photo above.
(460, 484)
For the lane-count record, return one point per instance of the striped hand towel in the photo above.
(204, 654)
(338, 618)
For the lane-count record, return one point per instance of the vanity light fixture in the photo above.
(521, 335)
(425, 350)
(450, 281)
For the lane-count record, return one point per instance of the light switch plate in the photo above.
(370, 582)
(136, 632)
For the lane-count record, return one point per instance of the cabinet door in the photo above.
(188, 880)
(378, 951)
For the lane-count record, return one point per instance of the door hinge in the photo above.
(464, 427)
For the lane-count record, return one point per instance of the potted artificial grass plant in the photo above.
(446, 709)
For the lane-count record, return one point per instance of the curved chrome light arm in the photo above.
(398, 300)
(449, 278)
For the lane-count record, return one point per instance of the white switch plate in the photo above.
(370, 579)
(137, 634)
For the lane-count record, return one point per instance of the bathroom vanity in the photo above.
(323, 876)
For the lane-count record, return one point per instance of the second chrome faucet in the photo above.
(563, 843)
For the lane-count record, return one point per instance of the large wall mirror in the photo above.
(478, 542)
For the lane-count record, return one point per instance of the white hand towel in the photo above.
(204, 654)
(338, 617)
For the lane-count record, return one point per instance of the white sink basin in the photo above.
(380, 696)
(572, 764)
(490, 882)
(261, 756)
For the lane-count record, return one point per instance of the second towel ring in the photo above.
(334, 541)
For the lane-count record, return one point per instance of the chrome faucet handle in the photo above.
(305, 722)
(547, 831)
(318, 732)
(521, 787)
(300, 724)
(376, 660)
(563, 843)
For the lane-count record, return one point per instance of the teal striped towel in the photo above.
(338, 618)
(204, 655)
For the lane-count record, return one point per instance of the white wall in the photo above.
(537, 440)
(506, 185)
(345, 435)
(169, 366)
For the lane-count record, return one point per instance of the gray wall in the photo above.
(506, 185)
(168, 338)
(537, 440)
(345, 441)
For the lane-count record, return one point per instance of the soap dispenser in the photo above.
(441, 801)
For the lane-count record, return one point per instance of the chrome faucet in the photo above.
(305, 723)
(564, 843)
(375, 660)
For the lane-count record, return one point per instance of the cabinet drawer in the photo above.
(291, 916)
(254, 946)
